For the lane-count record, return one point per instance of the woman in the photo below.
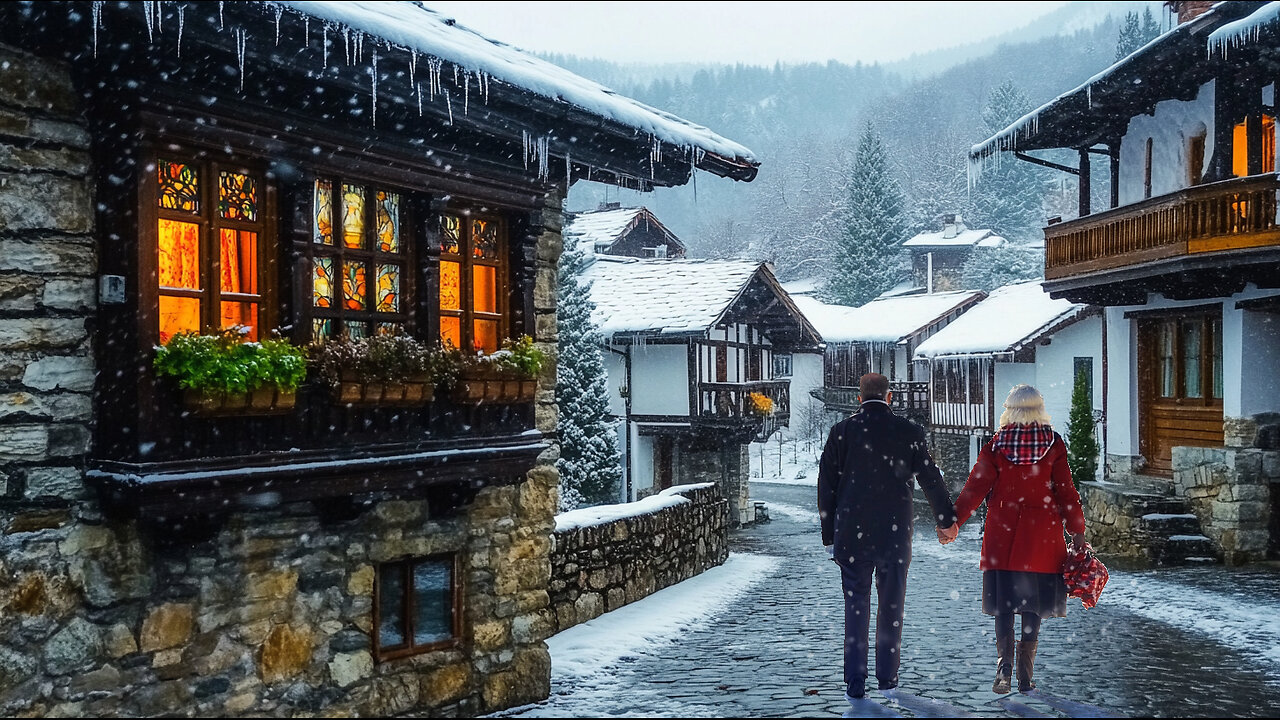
(1023, 476)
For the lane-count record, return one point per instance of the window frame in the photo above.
(408, 607)
(209, 165)
(407, 258)
(467, 261)
(786, 360)
(1210, 335)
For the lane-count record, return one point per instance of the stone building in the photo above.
(938, 256)
(196, 166)
(690, 357)
(1183, 263)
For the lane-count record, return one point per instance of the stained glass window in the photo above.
(357, 330)
(208, 275)
(388, 222)
(354, 289)
(323, 230)
(321, 328)
(389, 328)
(451, 235)
(450, 286)
(237, 196)
(353, 216)
(322, 282)
(388, 288)
(179, 187)
(485, 238)
(451, 331)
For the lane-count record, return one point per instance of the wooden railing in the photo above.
(1231, 214)
(732, 400)
(908, 398)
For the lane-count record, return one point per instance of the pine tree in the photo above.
(1135, 32)
(590, 462)
(989, 268)
(1009, 196)
(1082, 445)
(868, 228)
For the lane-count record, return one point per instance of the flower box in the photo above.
(265, 400)
(352, 391)
(474, 389)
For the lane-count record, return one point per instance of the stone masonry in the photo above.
(600, 568)
(270, 611)
(1229, 490)
(728, 465)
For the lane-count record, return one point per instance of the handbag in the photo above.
(1084, 574)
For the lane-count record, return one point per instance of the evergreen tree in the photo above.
(1150, 28)
(1082, 445)
(989, 268)
(590, 462)
(1135, 32)
(1009, 195)
(868, 228)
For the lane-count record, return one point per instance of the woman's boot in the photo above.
(1026, 664)
(1004, 661)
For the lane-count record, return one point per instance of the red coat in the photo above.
(1027, 506)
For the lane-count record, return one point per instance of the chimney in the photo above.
(950, 225)
(1189, 10)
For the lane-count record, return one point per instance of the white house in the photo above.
(1019, 334)
(938, 256)
(1184, 262)
(692, 346)
(615, 230)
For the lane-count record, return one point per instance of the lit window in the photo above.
(359, 254)
(209, 248)
(472, 281)
(415, 606)
(1240, 147)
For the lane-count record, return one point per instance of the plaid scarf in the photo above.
(1024, 444)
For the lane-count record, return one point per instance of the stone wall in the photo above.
(1131, 522)
(727, 465)
(600, 568)
(951, 454)
(1229, 490)
(269, 612)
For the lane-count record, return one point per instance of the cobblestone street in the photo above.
(775, 650)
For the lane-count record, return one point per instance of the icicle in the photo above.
(455, 75)
(449, 104)
(524, 135)
(159, 17)
(466, 94)
(419, 93)
(568, 172)
(413, 66)
(346, 44)
(306, 28)
(146, 10)
(221, 23)
(279, 13)
(324, 45)
(97, 20)
(182, 11)
(241, 34)
(375, 87)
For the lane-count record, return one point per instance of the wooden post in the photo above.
(1085, 189)
(1253, 140)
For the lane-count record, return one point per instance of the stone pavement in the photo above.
(776, 651)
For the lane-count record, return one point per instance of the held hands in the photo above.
(948, 535)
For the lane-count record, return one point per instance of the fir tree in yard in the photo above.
(868, 228)
(590, 462)
(1009, 196)
(1082, 444)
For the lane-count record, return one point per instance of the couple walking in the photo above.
(866, 479)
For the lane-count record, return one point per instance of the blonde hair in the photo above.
(1024, 406)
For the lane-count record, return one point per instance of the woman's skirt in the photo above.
(1015, 591)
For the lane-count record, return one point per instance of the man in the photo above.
(865, 481)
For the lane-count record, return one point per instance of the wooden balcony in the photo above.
(730, 401)
(1231, 215)
(909, 398)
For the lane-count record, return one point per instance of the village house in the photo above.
(320, 169)
(1017, 335)
(881, 336)
(691, 348)
(627, 232)
(938, 256)
(1184, 264)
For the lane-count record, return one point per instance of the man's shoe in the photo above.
(850, 697)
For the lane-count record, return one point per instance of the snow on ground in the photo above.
(785, 462)
(587, 659)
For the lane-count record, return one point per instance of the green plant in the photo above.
(224, 363)
(382, 358)
(1082, 444)
(518, 358)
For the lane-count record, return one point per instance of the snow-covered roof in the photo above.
(1245, 30)
(883, 320)
(664, 297)
(1071, 115)
(966, 237)
(591, 230)
(1011, 318)
(418, 29)
(803, 286)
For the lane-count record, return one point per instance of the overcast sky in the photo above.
(750, 32)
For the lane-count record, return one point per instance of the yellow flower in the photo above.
(760, 404)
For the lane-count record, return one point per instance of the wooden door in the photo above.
(663, 462)
(1179, 387)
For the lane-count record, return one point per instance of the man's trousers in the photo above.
(891, 585)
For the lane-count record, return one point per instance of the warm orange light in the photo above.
(178, 314)
(451, 331)
(244, 314)
(484, 288)
(486, 335)
(1240, 147)
(450, 286)
(178, 255)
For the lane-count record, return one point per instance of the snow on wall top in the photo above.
(666, 296)
(1245, 30)
(422, 30)
(1008, 319)
(602, 514)
(966, 237)
(883, 320)
(602, 228)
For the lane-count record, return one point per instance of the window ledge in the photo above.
(220, 484)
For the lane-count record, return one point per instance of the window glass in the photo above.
(472, 277)
(433, 601)
(1216, 329)
(1166, 369)
(391, 610)
(1191, 358)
